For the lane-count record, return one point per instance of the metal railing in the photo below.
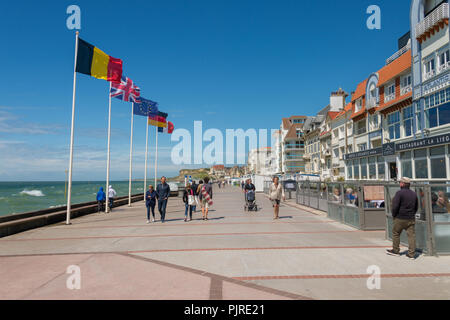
(434, 18)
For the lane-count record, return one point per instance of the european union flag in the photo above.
(145, 108)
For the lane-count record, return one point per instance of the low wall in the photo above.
(15, 223)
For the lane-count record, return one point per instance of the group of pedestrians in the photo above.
(101, 198)
(160, 195)
(193, 195)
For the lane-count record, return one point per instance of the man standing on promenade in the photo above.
(194, 188)
(162, 194)
(276, 193)
(404, 207)
(111, 195)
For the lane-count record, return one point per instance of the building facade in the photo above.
(292, 145)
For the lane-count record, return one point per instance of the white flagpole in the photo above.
(131, 155)
(108, 157)
(146, 157)
(69, 191)
(156, 157)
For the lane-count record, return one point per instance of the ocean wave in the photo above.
(33, 193)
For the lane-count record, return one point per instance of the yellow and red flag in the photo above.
(95, 63)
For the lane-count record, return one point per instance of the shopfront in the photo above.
(425, 159)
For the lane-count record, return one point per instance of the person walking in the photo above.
(189, 201)
(111, 195)
(205, 196)
(162, 194)
(150, 202)
(194, 188)
(276, 193)
(404, 207)
(101, 197)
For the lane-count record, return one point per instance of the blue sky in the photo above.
(232, 64)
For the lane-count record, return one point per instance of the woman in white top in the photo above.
(276, 193)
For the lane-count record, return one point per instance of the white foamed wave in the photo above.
(33, 193)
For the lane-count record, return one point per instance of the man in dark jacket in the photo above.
(404, 207)
(162, 194)
(194, 188)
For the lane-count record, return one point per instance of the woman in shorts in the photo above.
(276, 193)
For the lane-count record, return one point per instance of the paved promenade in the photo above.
(234, 255)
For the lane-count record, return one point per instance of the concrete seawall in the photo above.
(15, 223)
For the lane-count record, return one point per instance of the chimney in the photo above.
(337, 100)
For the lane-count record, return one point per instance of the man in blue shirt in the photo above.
(162, 194)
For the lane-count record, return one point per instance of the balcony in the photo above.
(436, 20)
(405, 90)
(429, 75)
(443, 67)
(390, 97)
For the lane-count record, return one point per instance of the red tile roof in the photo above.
(395, 68)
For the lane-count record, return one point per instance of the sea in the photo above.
(19, 197)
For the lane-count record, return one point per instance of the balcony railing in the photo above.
(429, 75)
(434, 19)
(405, 90)
(398, 53)
(390, 97)
(444, 67)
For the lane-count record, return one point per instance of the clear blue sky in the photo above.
(233, 64)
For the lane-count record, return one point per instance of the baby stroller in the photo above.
(250, 201)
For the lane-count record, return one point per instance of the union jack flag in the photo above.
(125, 90)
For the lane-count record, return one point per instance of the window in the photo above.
(437, 109)
(420, 163)
(358, 105)
(405, 158)
(373, 122)
(361, 127)
(372, 168)
(437, 163)
(406, 81)
(394, 125)
(364, 168)
(341, 133)
(444, 59)
(389, 92)
(362, 147)
(408, 120)
(429, 68)
(350, 149)
(381, 168)
(349, 170)
(356, 168)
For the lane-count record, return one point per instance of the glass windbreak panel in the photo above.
(420, 215)
(440, 203)
(391, 191)
(374, 197)
(351, 216)
(351, 195)
(442, 237)
(334, 193)
(364, 168)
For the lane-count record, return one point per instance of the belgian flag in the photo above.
(95, 63)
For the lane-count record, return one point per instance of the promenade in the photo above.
(234, 255)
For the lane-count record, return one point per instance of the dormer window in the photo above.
(358, 105)
(389, 92)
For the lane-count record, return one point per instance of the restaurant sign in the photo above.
(362, 154)
(427, 142)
